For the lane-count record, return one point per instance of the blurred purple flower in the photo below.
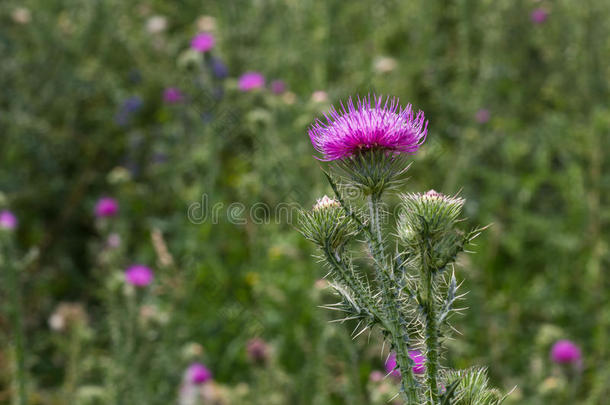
(197, 373)
(8, 220)
(566, 352)
(370, 124)
(418, 368)
(376, 376)
(539, 16)
(251, 80)
(482, 116)
(106, 207)
(257, 350)
(278, 86)
(172, 95)
(219, 68)
(132, 104)
(203, 42)
(139, 275)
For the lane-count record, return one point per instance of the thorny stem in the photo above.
(428, 286)
(408, 383)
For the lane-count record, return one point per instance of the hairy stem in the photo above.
(432, 345)
(395, 327)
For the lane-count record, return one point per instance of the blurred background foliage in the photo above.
(82, 116)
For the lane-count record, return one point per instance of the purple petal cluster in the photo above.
(139, 275)
(203, 42)
(172, 95)
(251, 81)
(566, 352)
(371, 123)
(106, 207)
(197, 373)
(418, 368)
(8, 220)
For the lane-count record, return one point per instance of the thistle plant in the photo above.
(413, 292)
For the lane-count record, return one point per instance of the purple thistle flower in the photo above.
(566, 352)
(482, 116)
(539, 15)
(418, 368)
(139, 275)
(172, 95)
(370, 124)
(278, 86)
(197, 373)
(203, 42)
(251, 81)
(8, 220)
(106, 207)
(132, 104)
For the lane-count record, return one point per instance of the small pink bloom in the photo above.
(113, 241)
(172, 95)
(539, 15)
(278, 86)
(8, 220)
(376, 376)
(197, 373)
(203, 42)
(106, 207)
(251, 81)
(418, 368)
(139, 275)
(482, 116)
(566, 352)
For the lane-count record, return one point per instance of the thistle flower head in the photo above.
(8, 220)
(539, 15)
(429, 213)
(370, 124)
(566, 352)
(257, 350)
(172, 95)
(251, 81)
(326, 224)
(106, 207)
(139, 275)
(197, 373)
(203, 42)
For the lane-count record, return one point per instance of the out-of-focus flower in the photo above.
(219, 68)
(319, 96)
(257, 350)
(539, 16)
(192, 350)
(251, 81)
(8, 220)
(197, 373)
(566, 352)
(320, 284)
(482, 116)
(370, 124)
(206, 23)
(203, 42)
(132, 104)
(385, 64)
(172, 95)
(418, 368)
(21, 15)
(139, 275)
(376, 376)
(278, 86)
(156, 24)
(67, 315)
(113, 241)
(289, 97)
(106, 207)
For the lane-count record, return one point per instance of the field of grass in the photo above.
(208, 177)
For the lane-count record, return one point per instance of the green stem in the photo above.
(14, 292)
(395, 327)
(432, 345)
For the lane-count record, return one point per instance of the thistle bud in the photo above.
(428, 214)
(326, 224)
